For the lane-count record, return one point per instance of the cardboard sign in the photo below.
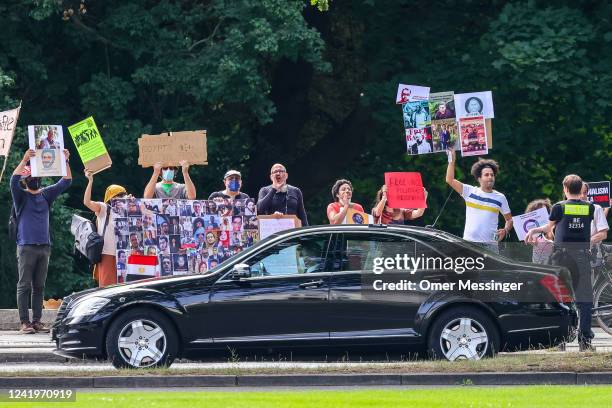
(599, 193)
(411, 93)
(171, 148)
(524, 222)
(474, 104)
(90, 146)
(8, 121)
(48, 143)
(357, 217)
(405, 190)
(271, 224)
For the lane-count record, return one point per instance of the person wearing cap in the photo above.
(280, 198)
(32, 204)
(233, 184)
(167, 187)
(105, 272)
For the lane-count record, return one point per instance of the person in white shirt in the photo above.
(482, 204)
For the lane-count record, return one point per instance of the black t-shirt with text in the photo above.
(573, 219)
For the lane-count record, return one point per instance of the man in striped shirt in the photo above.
(482, 204)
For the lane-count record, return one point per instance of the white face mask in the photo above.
(168, 175)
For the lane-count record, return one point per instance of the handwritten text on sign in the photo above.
(405, 190)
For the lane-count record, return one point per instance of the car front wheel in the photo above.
(141, 338)
(464, 333)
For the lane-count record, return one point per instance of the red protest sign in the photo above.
(405, 190)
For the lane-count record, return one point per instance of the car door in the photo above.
(285, 300)
(358, 313)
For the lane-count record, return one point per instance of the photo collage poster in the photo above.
(186, 236)
(432, 121)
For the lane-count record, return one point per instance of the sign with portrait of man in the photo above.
(48, 143)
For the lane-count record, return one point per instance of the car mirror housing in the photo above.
(240, 271)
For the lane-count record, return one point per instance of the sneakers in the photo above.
(40, 328)
(26, 328)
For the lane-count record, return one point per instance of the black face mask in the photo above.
(33, 183)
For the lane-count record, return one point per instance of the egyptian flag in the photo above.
(142, 265)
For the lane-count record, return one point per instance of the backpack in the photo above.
(95, 242)
(13, 221)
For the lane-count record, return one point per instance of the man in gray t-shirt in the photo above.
(167, 187)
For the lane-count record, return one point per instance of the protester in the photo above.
(542, 243)
(384, 214)
(281, 198)
(32, 204)
(105, 271)
(167, 187)
(233, 184)
(342, 192)
(482, 204)
(571, 220)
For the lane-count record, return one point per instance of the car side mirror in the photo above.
(240, 271)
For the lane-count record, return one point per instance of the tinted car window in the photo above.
(295, 256)
(361, 249)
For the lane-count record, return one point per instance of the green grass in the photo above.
(529, 396)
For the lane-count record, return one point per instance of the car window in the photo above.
(295, 256)
(360, 250)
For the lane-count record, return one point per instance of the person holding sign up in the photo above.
(167, 187)
(482, 204)
(342, 192)
(383, 214)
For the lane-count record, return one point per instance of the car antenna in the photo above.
(441, 210)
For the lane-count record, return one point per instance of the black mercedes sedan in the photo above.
(328, 287)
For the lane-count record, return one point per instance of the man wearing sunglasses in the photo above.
(167, 187)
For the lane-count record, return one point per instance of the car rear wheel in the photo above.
(141, 338)
(464, 333)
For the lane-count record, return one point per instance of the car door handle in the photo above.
(311, 284)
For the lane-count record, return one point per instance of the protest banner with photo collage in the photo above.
(180, 236)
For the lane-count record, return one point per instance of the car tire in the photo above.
(141, 338)
(463, 333)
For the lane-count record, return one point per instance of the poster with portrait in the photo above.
(524, 222)
(411, 93)
(48, 143)
(474, 104)
(183, 236)
(473, 136)
(445, 135)
(419, 141)
(442, 105)
(416, 115)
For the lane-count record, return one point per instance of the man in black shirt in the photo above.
(233, 184)
(571, 220)
(281, 198)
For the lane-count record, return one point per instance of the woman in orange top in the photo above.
(342, 191)
(384, 214)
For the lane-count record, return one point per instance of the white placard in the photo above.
(411, 93)
(474, 104)
(524, 222)
(269, 226)
(48, 143)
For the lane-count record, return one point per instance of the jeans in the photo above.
(32, 264)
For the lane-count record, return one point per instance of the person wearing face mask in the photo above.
(281, 198)
(342, 192)
(482, 204)
(32, 204)
(105, 272)
(167, 187)
(233, 184)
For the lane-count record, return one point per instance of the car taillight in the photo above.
(557, 288)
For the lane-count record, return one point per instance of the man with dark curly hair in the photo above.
(482, 204)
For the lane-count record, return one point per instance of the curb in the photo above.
(306, 380)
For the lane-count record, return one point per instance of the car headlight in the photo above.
(87, 307)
